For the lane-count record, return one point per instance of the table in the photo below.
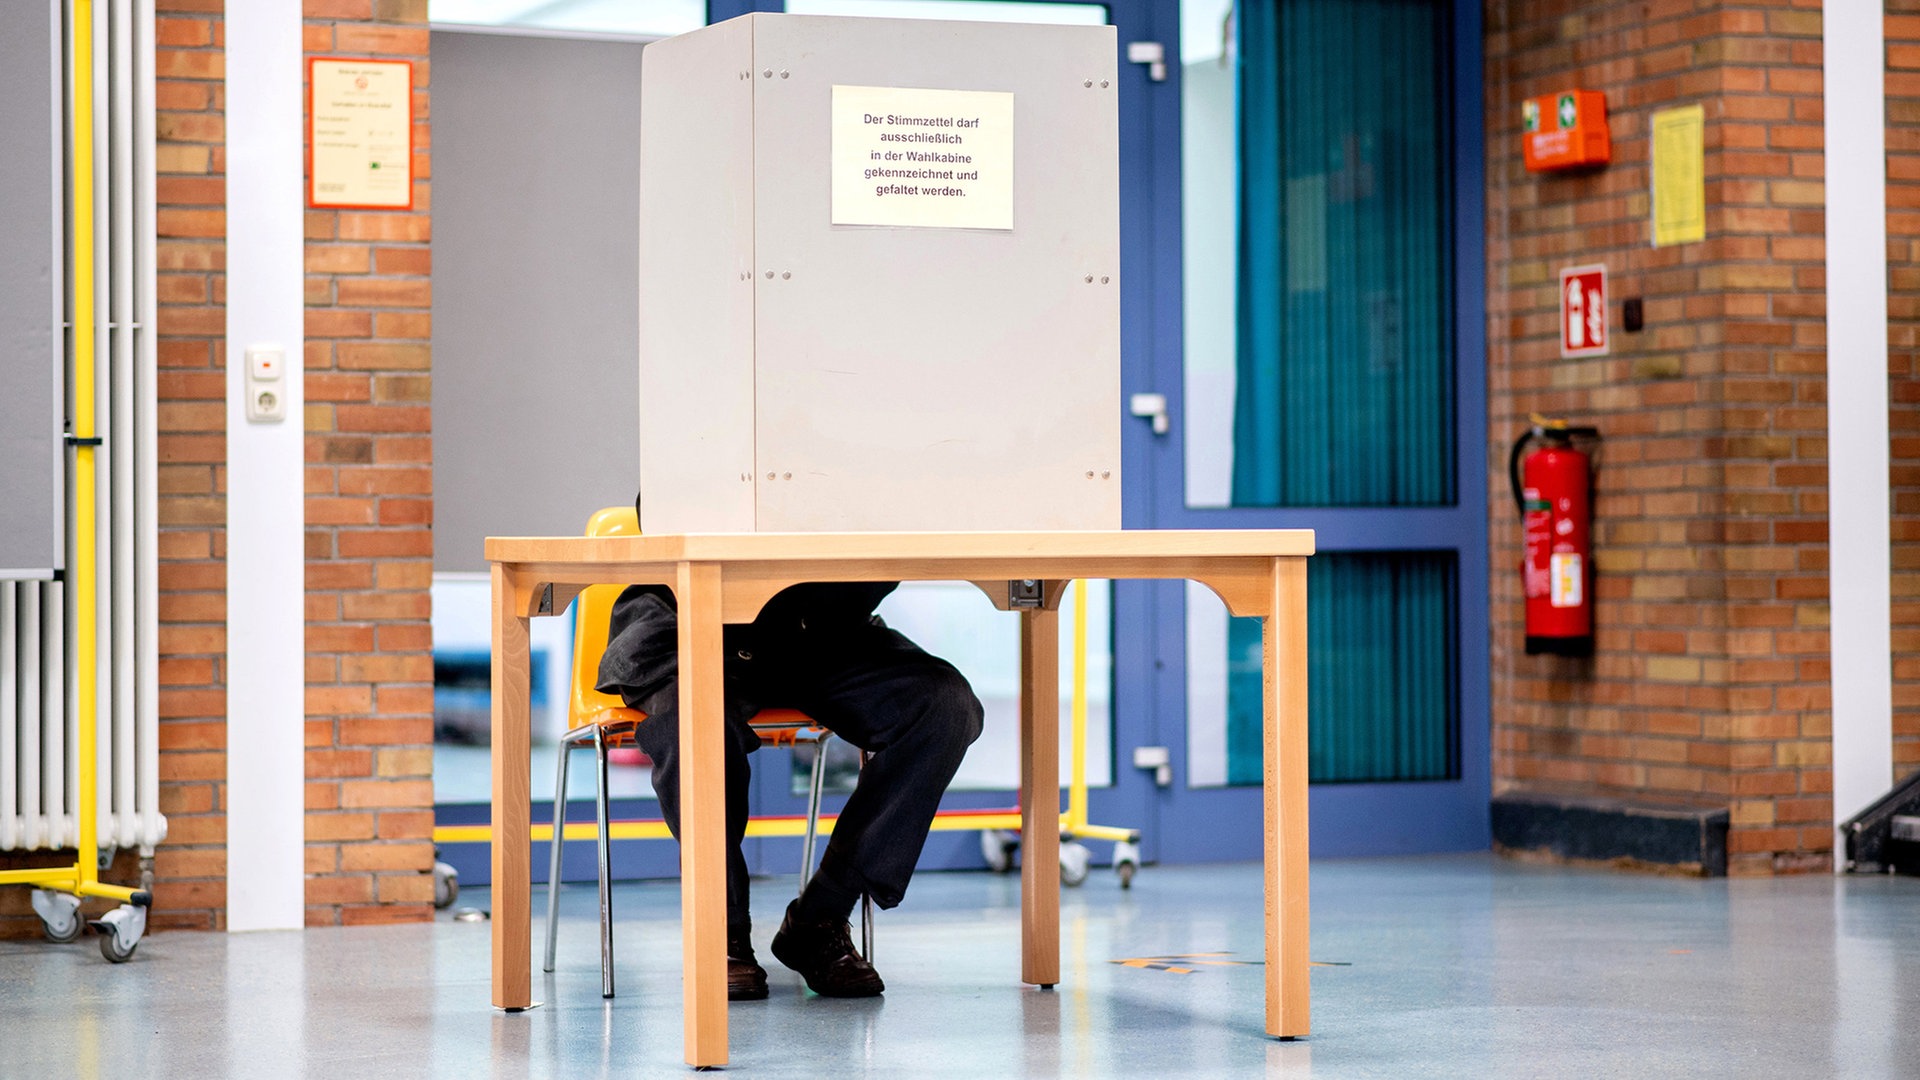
(726, 578)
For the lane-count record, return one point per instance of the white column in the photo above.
(266, 624)
(1860, 578)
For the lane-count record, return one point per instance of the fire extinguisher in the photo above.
(1553, 490)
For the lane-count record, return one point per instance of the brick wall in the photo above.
(1903, 339)
(369, 482)
(369, 506)
(1710, 682)
(190, 157)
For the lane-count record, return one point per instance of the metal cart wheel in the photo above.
(120, 931)
(59, 915)
(1126, 862)
(446, 885)
(1074, 862)
(113, 950)
(997, 847)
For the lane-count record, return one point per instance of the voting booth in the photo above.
(879, 277)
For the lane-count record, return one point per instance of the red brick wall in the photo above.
(369, 482)
(1710, 680)
(190, 157)
(1903, 339)
(369, 507)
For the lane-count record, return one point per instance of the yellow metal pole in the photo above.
(1077, 779)
(83, 878)
(86, 659)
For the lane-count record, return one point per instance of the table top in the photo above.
(911, 546)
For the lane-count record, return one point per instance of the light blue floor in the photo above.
(1459, 966)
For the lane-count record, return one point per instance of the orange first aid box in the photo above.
(1567, 130)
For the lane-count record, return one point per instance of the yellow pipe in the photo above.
(64, 878)
(86, 659)
(82, 878)
(657, 830)
(1077, 779)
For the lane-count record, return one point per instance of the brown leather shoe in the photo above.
(746, 979)
(824, 955)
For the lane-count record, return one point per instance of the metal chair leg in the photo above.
(553, 864)
(606, 865)
(866, 904)
(814, 786)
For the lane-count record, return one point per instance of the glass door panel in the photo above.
(1326, 351)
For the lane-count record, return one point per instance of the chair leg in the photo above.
(866, 905)
(866, 927)
(606, 865)
(559, 837)
(814, 785)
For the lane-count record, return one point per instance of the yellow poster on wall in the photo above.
(1679, 176)
(360, 133)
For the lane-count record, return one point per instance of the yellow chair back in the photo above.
(591, 612)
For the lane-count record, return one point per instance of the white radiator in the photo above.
(38, 778)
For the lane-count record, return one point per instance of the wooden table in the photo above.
(720, 579)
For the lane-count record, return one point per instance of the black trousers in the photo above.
(913, 713)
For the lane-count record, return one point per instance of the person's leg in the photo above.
(916, 716)
(659, 737)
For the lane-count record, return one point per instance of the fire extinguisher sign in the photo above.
(1583, 311)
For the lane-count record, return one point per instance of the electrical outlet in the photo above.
(265, 379)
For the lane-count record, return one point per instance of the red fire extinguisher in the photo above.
(1553, 487)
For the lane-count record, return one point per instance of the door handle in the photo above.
(1158, 761)
(1151, 407)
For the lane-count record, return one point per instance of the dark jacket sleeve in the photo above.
(643, 634)
(643, 641)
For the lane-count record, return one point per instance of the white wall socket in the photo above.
(266, 383)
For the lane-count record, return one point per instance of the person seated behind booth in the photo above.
(820, 649)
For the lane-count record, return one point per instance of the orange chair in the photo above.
(607, 722)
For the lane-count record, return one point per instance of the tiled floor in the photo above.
(1459, 966)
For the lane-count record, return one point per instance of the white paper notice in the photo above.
(362, 133)
(938, 159)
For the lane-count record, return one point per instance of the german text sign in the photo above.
(929, 158)
(1583, 311)
(360, 133)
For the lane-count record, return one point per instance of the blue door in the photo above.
(1304, 296)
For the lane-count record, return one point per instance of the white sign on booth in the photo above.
(928, 158)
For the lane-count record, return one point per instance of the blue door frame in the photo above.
(1185, 825)
(1179, 824)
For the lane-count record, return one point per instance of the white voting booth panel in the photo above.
(879, 277)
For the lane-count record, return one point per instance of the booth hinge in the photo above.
(1025, 593)
(1151, 53)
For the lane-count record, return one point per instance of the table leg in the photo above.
(1040, 796)
(512, 794)
(703, 817)
(1285, 665)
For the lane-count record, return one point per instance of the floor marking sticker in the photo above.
(1190, 963)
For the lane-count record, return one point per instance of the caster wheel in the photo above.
(446, 885)
(59, 915)
(120, 931)
(1126, 862)
(113, 950)
(997, 847)
(1074, 861)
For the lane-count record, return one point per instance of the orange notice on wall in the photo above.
(1567, 130)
